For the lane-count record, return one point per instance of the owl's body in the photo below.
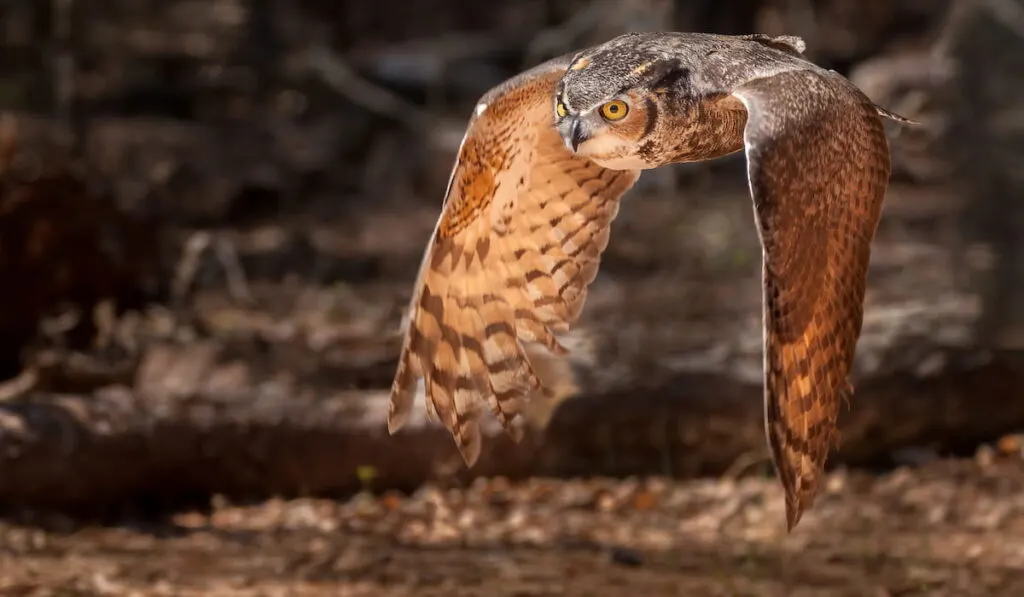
(545, 160)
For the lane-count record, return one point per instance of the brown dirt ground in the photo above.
(947, 528)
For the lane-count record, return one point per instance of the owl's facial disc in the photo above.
(606, 132)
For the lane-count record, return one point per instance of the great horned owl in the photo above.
(537, 182)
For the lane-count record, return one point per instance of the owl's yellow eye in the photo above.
(561, 110)
(614, 110)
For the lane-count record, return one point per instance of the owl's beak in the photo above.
(578, 133)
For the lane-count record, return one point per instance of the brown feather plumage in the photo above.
(525, 221)
(818, 174)
(521, 234)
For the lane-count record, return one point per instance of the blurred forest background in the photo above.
(211, 215)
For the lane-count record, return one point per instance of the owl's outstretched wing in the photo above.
(818, 167)
(518, 242)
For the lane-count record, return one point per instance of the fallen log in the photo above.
(115, 448)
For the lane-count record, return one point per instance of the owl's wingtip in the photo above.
(794, 511)
(470, 443)
(395, 424)
(398, 410)
(799, 500)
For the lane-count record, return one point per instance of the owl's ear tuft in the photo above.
(789, 44)
(666, 74)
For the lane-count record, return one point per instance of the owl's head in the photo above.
(642, 100)
(611, 104)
